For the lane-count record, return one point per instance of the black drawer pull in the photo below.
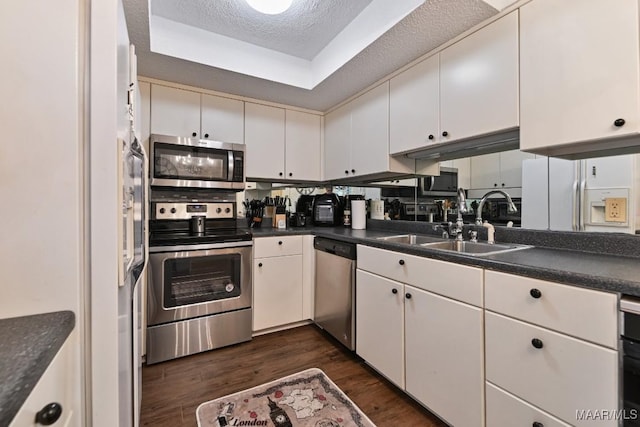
(407, 295)
(394, 291)
(280, 242)
(537, 343)
(259, 264)
(619, 123)
(537, 424)
(401, 262)
(194, 134)
(49, 414)
(535, 293)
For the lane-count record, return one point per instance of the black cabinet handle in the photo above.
(431, 136)
(280, 174)
(445, 133)
(49, 414)
(290, 173)
(503, 184)
(495, 184)
(280, 242)
(408, 296)
(353, 171)
(347, 172)
(537, 343)
(259, 264)
(394, 291)
(194, 134)
(619, 123)
(537, 424)
(535, 293)
(206, 135)
(401, 262)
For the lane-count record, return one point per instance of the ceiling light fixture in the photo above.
(270, 7)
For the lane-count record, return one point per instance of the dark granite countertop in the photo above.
(555, 256)
(29, 344)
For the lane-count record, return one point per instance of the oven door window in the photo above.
(190, 163)
(196, 280)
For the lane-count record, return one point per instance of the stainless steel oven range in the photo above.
(200, 290)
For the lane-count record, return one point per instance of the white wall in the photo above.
(41, 178)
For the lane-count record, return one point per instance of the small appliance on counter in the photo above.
(327, 210)
(304, 205)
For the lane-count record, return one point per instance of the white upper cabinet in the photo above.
(264, 137)
(479, 82)
(222, 119)
(357, 139)
(498, 170)
(579, 68)
(337, 143)
(175, 112)
(414, 106)
(302, 146)
(189, 114)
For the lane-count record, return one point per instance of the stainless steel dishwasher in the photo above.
(335, 287)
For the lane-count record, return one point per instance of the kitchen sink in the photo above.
(474, 248)
(411, 239)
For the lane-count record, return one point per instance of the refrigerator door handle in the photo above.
(576, 206)
(583, 184)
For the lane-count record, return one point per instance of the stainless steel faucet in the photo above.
(511, 207)
(462, 209)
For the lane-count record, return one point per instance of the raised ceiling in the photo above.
(303, 34)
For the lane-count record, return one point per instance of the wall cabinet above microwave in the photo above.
(196, 115)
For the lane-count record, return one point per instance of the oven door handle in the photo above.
(204, 246)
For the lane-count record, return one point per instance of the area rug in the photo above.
(308, 398)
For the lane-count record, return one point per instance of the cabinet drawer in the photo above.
(455, 281)
(565, 375)
(583, 313)
(506, 410)
(264, 247)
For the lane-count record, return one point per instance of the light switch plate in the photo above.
(615, 209)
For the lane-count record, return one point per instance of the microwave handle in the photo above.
(431, 182)
(231, 163)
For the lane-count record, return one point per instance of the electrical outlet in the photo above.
(615, 209)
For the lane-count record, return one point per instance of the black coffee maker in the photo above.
(304, 206)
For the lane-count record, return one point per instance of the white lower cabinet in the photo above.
(277, 281)
(426, 343)
(552, 371)
(506, 410)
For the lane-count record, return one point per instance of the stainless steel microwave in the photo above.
(187, 162)
(444, 185)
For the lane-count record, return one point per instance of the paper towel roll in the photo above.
(377, 209)
(358, 214)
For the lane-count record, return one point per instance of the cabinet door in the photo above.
(479, 81)
(337, 143)
(579, 71)
(485, 171)
(511, 168)
(277, 291)
(264, 137)
(444, 356)
(222, 119)
(175, 112)
(414, 107)
(380, 324)
(302, 150)
(370, 132)
(464, 172)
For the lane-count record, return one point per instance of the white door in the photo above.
(222, 119)
(479, 81)
(337, 143)
(302, 147)
(414, 107)
(264, 138)
(175, 112)
(578, 71)
(380, 324)
(277, 291)
(370, 132)
(445, 356)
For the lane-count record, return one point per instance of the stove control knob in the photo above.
(227, 210)
(218, 210)
(173, 210)
(162, 210)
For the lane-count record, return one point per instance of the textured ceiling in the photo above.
(430, 25)
(302, 31)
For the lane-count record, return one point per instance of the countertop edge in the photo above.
(30, 343)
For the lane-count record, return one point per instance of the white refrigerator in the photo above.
(600, 194)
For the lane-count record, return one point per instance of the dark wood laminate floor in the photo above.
(171, 391)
